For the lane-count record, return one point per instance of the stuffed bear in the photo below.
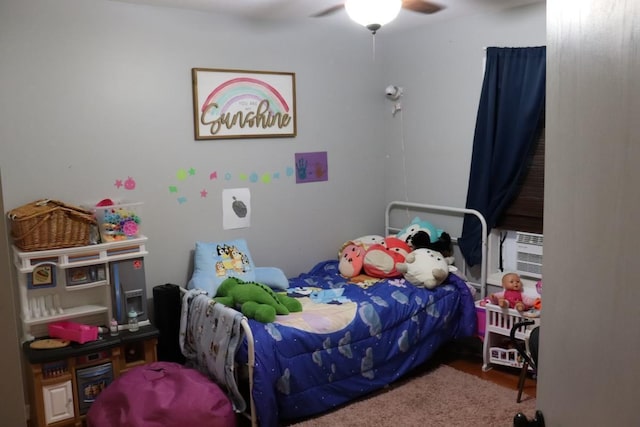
(425, 268)
(418, 225)
(512, 296)
(421, 239)
(255, 300)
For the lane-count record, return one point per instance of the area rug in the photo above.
(442, 397)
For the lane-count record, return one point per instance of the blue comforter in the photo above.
(350, 340)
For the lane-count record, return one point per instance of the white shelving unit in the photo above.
(499, 322)
(76, 285)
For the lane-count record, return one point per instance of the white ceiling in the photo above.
(298, 10)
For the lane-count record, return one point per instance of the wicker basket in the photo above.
(50, 224)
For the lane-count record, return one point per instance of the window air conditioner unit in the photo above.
(529, 254)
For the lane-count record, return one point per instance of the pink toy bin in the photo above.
(481, 316)
(72, 331)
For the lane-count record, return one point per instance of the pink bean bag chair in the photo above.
(161, 394)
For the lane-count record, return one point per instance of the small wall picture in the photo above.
(311, 167)
(42, 276)
(236, 208)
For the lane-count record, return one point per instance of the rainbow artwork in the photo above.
(243, 106)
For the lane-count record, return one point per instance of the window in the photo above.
(525, 213)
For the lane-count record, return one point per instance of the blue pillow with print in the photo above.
(272, 277)
(216, 261)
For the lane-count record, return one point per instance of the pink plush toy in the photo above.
(351, 254)
(512, 296)
(351, 259)
(381, 260)
(376, 256)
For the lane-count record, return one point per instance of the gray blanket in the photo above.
(210, 334)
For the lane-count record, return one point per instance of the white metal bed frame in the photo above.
(389, 230)
(446, 210)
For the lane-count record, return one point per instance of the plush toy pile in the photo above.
(420, 252)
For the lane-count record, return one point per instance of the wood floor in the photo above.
(467, 357)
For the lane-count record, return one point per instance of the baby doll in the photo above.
(511, 296)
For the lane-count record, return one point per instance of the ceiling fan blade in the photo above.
(328, 11)
(421, 6)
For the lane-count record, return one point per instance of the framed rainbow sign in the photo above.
(243, 104)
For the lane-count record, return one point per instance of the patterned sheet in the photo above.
(349, 340)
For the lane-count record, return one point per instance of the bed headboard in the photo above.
(398, 214)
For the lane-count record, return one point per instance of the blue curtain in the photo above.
(507, 126)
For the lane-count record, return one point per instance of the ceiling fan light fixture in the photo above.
(373, 14)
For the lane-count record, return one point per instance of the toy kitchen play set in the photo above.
(72, 288)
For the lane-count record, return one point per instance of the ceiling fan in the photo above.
(419, 6)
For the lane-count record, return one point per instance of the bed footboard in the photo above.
(210, 335)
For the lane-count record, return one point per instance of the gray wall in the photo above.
(92, 91)
(589, 337)
(95, 91)
(441, 69)
(11, 388)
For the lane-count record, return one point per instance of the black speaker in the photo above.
(167, 303)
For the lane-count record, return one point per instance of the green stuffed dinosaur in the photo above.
(255, 300)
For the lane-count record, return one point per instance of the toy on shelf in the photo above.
(118, 221)
(512, 296)
(72, 331)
